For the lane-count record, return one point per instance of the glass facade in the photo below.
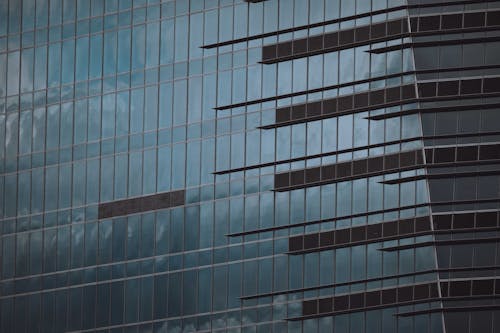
(249, 166)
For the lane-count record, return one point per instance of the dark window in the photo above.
(405, 294)
(326, 238)
(283, 114)
(453, 21)
(362, 34)
(434, 290)
(428, 155)
(470, 87)
(487, 219)
(331, 40)
(314, 109)
(375, 164)
(393, 94)
(328, 172)
(374, 231)
(427, 89)
(315, 43)
(421, 291)
(297, 177)
(298, 111)
(269, 52)
(330, 106)
(448, 88)
(467, 153)
(497, 287)
(309, 307)
(358, 234)
(491, 85)
(444, 289)
(325, 305)
(493, 18)
(482, 287)
(311, 241)
(282, 180)
(176, 198)
(463, 221)
(361, 100)
(373, 298)
(357, 301)
(105, 210)
(489, 152)
(473, 20)
(342, 236)
(313, 175)
(377, 97)
(420, 157)
(414, 23)
(295, 243)
(300, 46)
(346, 37)
(284, 49)
(359, 167)
(391, 161)
(389, 296)
(343, 169)
(390, 229)
(406, 226)
(422, 224)
(428, 23)
(442, 222)
(408, 92)
(378, 30)
(394, 27)
(407, 159)
(443, 155)
(341, 303)
(460, 288)
(345, 103)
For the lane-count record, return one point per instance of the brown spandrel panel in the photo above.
(141, 204)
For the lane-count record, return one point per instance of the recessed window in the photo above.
(315, 43)
(362, 34)
(269, 52)
(298, 111)
(283, 114)
(345, 103)
(390, 229)
(359, 167)
(357, 301)
(284, 49)
(341, 303)
(406, 226)
(295, 243)
(361, 100)
(467, 153)
(374, 231)
(460, 288)
(311, 241)
(378, 30)
(325, 305)
(375, 164)
(300, 46)
(358, 234)
(329, 106)
(448, 88)
(297, 177)
(282, 180)
(470, 86)
(377, 97)
(429, 23)
(442, 222)
(314, 109)
(463, 221)
(328, 172)
(489, 152)
(342, 236)
(313, 175)
(405, 294)
(394, 27)
(493, 18)
(491, 85)
(309, 307)
(407, 159)
(327, 238)
(391, 161)
(482, 287)
(453, 21)
(421, 291)
(343, 169)
(331, 40)
(427, 89)
(373, 298)
(487, 219)
(393, 94)
(389, 296)
(444, 155)
(346, 37)
(472, 20)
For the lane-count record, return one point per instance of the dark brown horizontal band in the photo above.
(353, 83)
(398, 296)
(441, 109)
(472, 308)
(435, 43)
(382, 98)
(379, 32)
(365, 214)
(141, 204)
(344, 19)
(441, 243)
(350, 150)
(381, 278)
(392, 230)
(441, 176)
(390, 163)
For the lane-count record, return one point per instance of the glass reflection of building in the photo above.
(260, 166)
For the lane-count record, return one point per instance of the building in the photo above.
(260, 166)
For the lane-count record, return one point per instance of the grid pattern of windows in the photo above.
(235, 166)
